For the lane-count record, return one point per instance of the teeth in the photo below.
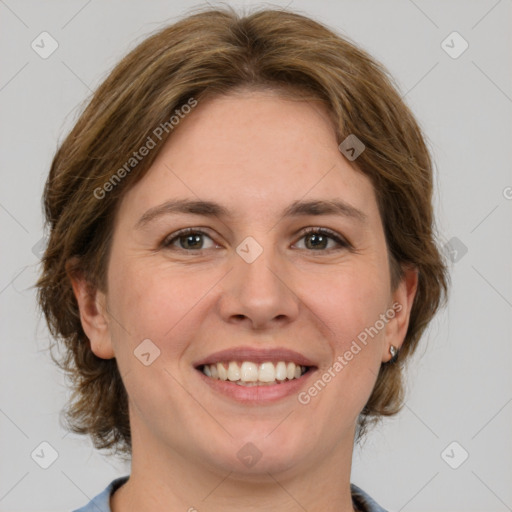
(267, 372)
(252, 374)
(221, 371)
(290, 371)
(248, 372)
(233, 371)
(281, 370)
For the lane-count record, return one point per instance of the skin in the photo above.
(254, 152)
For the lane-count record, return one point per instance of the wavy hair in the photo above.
(213, 52)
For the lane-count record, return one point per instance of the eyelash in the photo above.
(344, 244)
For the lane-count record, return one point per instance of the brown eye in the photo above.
(187, 240)
(318, 239)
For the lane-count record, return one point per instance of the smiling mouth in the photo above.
(248, 373)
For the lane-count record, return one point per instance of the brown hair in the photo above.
(213, 52)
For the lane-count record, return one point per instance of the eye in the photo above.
(319, 238)
(187, 240)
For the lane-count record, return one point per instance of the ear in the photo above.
(93, 313)
(403, 298)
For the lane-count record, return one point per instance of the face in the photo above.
(289, 263)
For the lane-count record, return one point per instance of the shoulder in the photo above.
(364, 501)
(101, 503)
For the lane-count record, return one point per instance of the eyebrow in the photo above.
(212, 209)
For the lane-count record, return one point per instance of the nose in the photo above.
(259, 293)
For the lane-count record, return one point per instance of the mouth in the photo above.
(255, 376)
(249, 373)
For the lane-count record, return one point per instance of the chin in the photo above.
(251, 455)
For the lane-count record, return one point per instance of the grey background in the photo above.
(460, 383)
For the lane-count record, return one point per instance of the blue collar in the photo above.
(101, 503)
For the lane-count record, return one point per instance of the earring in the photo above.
(393, 351)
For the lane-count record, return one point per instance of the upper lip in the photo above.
(255, 355)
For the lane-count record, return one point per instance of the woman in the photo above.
(241, 259)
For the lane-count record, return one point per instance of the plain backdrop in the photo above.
(450, 448)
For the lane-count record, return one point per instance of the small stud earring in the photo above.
(393, 351)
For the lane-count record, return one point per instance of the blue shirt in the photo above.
(101, 503)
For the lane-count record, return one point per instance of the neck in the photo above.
(163, 480)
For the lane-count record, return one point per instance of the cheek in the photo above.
(350, 301)
(151, 301)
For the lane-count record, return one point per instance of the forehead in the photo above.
(256, 152)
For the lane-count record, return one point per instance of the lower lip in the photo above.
(257, 394)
